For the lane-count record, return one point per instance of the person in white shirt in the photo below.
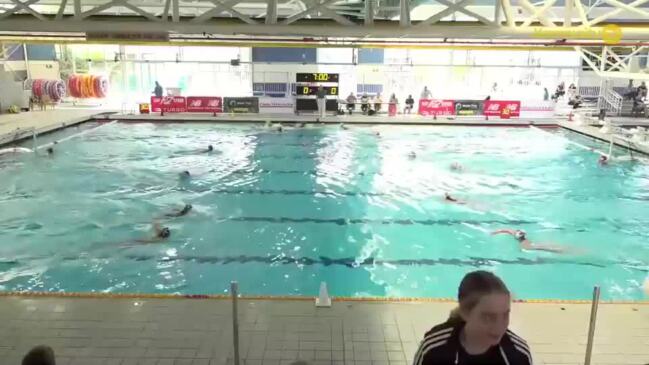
(426, 94)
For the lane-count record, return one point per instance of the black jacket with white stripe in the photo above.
(441, 346)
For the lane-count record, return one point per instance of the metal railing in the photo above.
(234, 294)
(609, 99)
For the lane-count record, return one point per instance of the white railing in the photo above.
(609, 99)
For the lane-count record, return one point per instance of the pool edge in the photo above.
(82, 295)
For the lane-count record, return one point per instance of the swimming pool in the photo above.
(281, 212)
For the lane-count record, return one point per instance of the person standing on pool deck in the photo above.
(410, 103)
(321, 94)
(526, 244)
(477, 331)
(157, 91)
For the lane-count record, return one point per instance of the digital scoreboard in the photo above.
(313, 90)
(316, 77)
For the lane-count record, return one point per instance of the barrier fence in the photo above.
(427, 107)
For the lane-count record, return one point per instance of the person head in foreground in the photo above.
(39, 355)
(476, 332)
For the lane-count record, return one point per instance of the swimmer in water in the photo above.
(455, 166)
(378, 134)
(181, 212)
(412, 155)
(50, 151)
(185, 175)
(449, 199)
(343, 126)
(603, 160)
(279, 128)
(160, 234)
(210, 148)
(525, 244)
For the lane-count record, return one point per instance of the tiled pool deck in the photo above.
(127, 331)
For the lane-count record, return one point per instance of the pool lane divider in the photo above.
(601, 153)
(50, 144)
(29, 294)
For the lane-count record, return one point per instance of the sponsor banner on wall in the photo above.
(241, 105)
(170, 104)
(496, 107)
(204, 104)
(468, 107)
(436, 107)
(277, 105)
(537, 109)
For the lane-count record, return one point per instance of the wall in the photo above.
(38, 69)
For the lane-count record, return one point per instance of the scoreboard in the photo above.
(306, 88)
(316, 77)
(313, 90)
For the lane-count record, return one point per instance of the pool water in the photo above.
(282, 212)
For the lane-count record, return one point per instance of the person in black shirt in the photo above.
(410, 102)
(157, 91)
(476, 332)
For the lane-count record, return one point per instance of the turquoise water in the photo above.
(281, 212)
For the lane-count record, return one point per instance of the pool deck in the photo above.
(594, 132)
(128, 331)
(410, 119)
(17, 126)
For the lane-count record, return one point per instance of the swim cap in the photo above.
(520, 235)
(165, 232)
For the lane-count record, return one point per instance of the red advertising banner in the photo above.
(494, 108)
(169, 104)
(204, 104)
(436, 107)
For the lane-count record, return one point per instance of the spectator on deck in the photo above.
(426, 94)
(321, 96)
(410, 103)
(575, 101)
(477, 331)
(546, 94)
(157, 91)
(561, 90)
(642, 90)
(572, 91)
(377, 103)
(351, 103)
(639, 106)
(365, 103)
(393, 99)
(39, 355)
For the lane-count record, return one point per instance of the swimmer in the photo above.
(343, 126)
(185, 175)
(450, 199)
(603, 160)
(181, 212)
(525, 244)
(455, 166)
(50, 151)
(301, 125)
(280, 129)
(160, 234)
(210, 148)
(412, 155)
(378, 134)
